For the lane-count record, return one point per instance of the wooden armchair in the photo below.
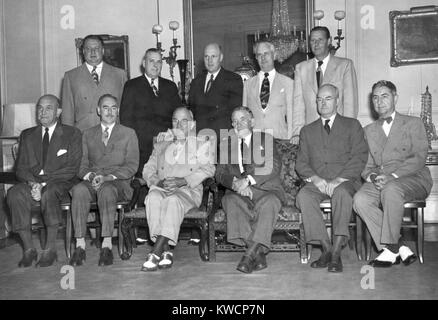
(196, 218)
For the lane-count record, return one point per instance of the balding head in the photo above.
(47, 110)
(182, 122)
(213, 57)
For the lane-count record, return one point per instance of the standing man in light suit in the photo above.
(109, 161)
(326, 68)
(269, 94)
(83, 85)
(396, 172)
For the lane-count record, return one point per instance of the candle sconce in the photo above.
(339, 16)
(171, 58)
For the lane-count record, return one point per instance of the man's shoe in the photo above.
(78, 257)
(48, 257)
(166, 260)
(335, 265)
(385, 259)
(323, 260)
(29, 256)
(260, 261)
(246, 264)
(106, 257)
(151, 263)
(406, 255)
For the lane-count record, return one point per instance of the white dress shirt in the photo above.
(271, 77)
(324, 64)
(209, 76)
(155, 82)
(98, 68)
(247, 141)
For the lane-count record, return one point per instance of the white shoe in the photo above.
(385, 259)
(407, 255)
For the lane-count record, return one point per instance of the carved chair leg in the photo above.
(304, 254)
(127, 238)
(359, 239)
(211, 242)
(420, 233)
(68, 233)
(121, 246)
(203, 243)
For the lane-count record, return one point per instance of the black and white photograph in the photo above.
(215, 156)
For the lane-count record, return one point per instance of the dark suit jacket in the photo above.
(403, 152)
(63, 156)
(213, 109)
(261, 161)
(342, 153)
(80, 94)
(147, 114)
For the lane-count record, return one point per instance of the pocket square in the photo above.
(61, 152)
(282, 90)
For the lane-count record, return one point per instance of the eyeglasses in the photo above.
(326, 99)
(183, 122)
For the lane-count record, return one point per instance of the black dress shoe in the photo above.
(323, 260)
(48, 257)
(29, 256)
(246, 264)
(106, 257)
(335, 265)
(78, 257)
(384, 264)
(260, 261)
(410, 259)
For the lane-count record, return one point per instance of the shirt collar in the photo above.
(332, 119)
(51, 129)
(247, 139)
(110, 127)
(271, 74)
(324, 62)
(150, 79)
(98, 67)
(214, 74)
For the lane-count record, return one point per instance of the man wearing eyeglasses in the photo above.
(174, 173)
(82, 86)
(332, 154)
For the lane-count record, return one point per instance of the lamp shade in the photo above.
(17, 117)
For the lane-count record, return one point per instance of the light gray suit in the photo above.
(278, 114)
(80, 94)
(339, 72)
(402, 153)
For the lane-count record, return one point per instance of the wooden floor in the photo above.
(190, 278)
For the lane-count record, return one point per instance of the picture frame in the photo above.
(414, 36)
(116, 51)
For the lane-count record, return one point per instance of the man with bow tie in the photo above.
(174, 173)
(331, 157)
(48, 161)
(109, 161)
(396, 172)
(249, 167)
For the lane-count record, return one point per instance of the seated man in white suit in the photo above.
(174, 174)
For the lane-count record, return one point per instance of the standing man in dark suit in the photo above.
(254, 194)
(215, 92)
(148, 103)
(48, 161)
(326, 68)
(331, 157)
(83, 85)
(109, 161)
(396, 172)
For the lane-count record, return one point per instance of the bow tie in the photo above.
(387, 119)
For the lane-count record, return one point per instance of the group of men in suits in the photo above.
(320, 105)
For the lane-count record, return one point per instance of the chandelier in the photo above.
(285, 42)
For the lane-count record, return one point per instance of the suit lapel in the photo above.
(87, 75)
(216, 81)
(330, 70)
(396, 131)
(311, 71)
(256, 88)
(104, 74)
(55, 143)
(37, 142)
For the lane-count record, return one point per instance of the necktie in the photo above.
(209, 83)
(95, 75)
(319, 74)
(45, 145)
(388, 120)
(154, 88)
(264, 92)
(326, 126)
(241, 155)
(105, 136)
